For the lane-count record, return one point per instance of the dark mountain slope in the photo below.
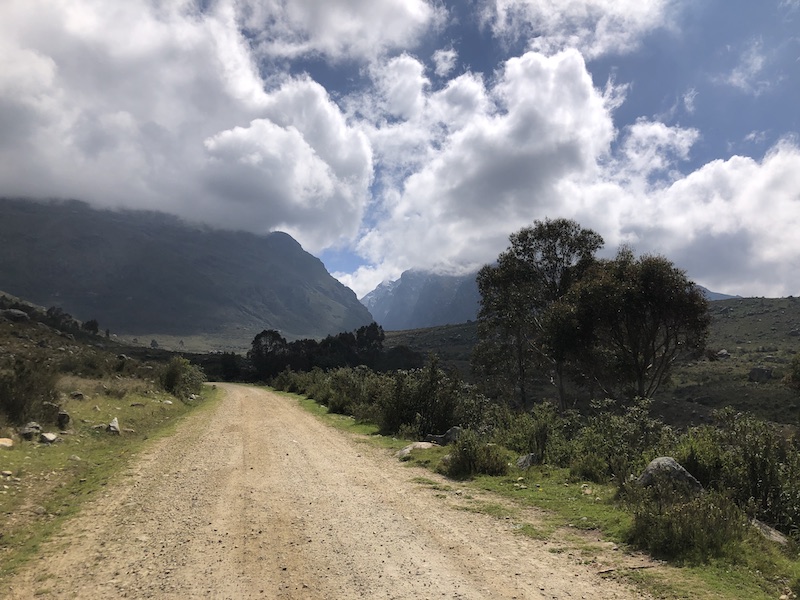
(421, 299)
(146, 273)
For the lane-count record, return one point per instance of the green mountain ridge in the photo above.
(148, 273)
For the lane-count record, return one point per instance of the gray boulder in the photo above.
(415, 446)
(48, 438)
(450, 436)
(113, 427)
(760, 374)
(526, 461)
(666, 467)
(15, 315)
(30, 430)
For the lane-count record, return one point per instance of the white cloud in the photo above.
(747, 75)
(338, 29)
(302, 170)
(595, 27)
(651, 150)
(168, 107)
(690, 101)
(487, 162)
(126, 104)
(731, 224)
(401, 82)
(444, 61)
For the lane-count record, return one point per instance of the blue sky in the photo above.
(396, 134)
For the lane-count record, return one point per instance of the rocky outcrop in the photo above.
(668, 469)
(14, 315)
(415, 446)
(30, 430)
(450, 436)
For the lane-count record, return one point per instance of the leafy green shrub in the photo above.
(589, 467)
(472, 456)
(671, 525)
(541, 432)
(397, 408)
(366, 413)
(750, 461)
(424, 401)
(625, 441)
(181, 378)
(25, 387)
(285, 381)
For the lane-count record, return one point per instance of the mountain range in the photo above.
(148, 274)
(422, 299)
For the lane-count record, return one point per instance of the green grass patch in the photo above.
(367, 431)
(580, 505)
(531, 531)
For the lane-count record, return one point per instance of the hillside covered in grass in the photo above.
(754, 333)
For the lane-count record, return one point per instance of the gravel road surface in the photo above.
(258, 499)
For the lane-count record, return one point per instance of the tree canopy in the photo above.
(631, 318)
(270, 353)
(548, 306)
(538, 268)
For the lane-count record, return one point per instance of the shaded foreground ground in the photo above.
(258, 499)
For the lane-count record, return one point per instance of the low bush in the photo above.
(693, 528)
(473, 456)
(181, 378)
(625, 440)
(543, 433)
(750, 461)
(26, 386)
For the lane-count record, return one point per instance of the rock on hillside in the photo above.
(422, 299)
(145, 272)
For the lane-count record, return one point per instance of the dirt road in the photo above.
(258, 499)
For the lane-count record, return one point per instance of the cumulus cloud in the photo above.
(198, 112)
(743, 208)
(595, 27)
(487, 162)
(651, 150)
(444, 61)
(125, 104)
(337, 29)
(731, 224)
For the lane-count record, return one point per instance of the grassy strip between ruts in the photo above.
(760, 570)
(49, 483)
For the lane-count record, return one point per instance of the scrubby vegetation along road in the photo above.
(258, 499)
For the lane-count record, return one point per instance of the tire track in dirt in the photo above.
(258, 499)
